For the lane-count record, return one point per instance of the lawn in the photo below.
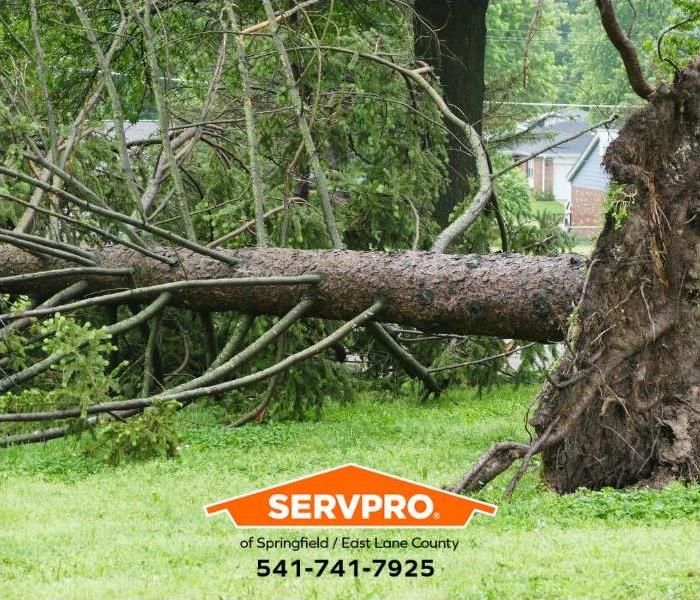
(548, 206)
(584, 246)
(73, 527)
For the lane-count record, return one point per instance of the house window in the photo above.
(530, 170)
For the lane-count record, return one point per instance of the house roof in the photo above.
(551, 130)
(137, 130)
(600, 142)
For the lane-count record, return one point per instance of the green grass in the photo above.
(548, 206)
(72, 527)
(584, 245)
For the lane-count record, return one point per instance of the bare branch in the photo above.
(404, 358)
(44, 435)
(665, 32)
(319, 174)
(251, 130)
(132, 294)
(481, 361)
(49, 243)
(5, 236)
(191, 394)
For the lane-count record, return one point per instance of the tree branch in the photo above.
(96, 230)
(115, 329)
(72, 291)
(319, 174)
(128, 295)
(111, 214)
(191, 394)
(554, 144)
(13, 239)
(252, 132)
(624, 46)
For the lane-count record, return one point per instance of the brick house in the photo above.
(547, 172)
(589, 181)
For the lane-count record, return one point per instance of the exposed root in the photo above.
(623, 405)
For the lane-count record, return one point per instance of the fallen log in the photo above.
(503, 295)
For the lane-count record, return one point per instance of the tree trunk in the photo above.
(510, 296)
(631, 410)
(450, 35)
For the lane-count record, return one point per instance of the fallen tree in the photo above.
(622, 406)
(509, 296)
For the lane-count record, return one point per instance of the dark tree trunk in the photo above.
(511, 296)
(632, 410)
(450, 35)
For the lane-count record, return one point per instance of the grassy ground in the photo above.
(72, 527)
(584, 246)
(548, 206)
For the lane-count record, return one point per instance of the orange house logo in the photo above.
(350, 496)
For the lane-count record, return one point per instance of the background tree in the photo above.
(451, 37)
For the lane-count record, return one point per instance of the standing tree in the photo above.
(450, 36)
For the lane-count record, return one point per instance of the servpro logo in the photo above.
(350, 496)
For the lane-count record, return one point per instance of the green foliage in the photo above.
(542, 234)
(83, 377)
(79, 378)
(507, 78)
(13, 348)
(150, 435)
(301, 392)
(616, 204)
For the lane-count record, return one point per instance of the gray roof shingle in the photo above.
(546, 134)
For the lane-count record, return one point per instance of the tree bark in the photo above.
(630, 411)
(504, 295)
(450, 35)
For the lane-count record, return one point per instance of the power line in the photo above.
(566, 105)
